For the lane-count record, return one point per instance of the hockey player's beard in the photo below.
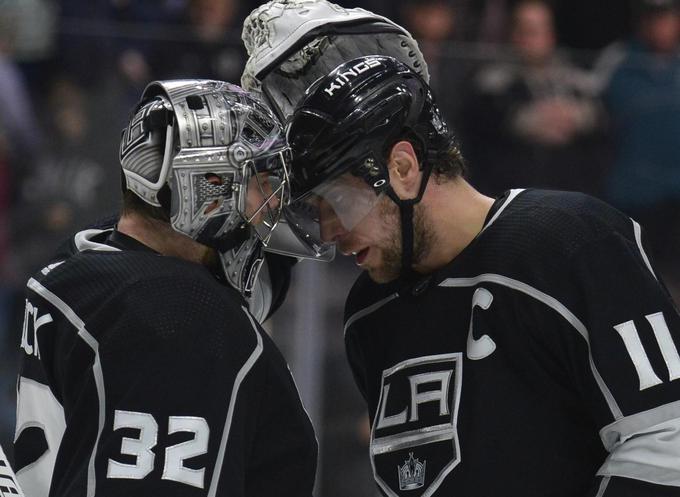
(423, 238)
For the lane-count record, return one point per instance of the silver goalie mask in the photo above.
(215, 158)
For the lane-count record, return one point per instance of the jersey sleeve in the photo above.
(629, 370)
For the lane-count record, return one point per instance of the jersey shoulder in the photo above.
(119, 293)
(557, 223)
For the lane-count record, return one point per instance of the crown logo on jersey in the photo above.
(411, 474)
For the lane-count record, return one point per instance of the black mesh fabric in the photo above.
(162, 337)
(523, 321)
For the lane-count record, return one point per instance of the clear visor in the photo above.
(314, 222)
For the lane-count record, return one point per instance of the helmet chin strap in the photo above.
(406, 207)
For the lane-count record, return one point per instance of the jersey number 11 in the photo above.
(631, 339)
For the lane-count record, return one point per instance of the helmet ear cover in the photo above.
(157, 121)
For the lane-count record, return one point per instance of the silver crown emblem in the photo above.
(411, 474)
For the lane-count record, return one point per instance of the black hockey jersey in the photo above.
(541, 362)
(142, 375)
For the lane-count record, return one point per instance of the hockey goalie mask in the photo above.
(216, 160)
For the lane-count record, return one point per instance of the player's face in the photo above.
(260, 197)
(375, 241)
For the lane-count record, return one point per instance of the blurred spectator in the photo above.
(84, 43)
(8, 361)
(20, 140)
(434, 23)
(532, 120)
(69, 187)
(17, 119)
(146, 32)
(489, 20)
(32, 29)
(641, 89)
(212, 46)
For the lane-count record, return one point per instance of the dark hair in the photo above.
(132, 204)
(450, 165)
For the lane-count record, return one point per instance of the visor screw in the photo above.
(204, 126)
(370, 168)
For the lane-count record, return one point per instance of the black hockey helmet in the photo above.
(346, 123)
(348, 119)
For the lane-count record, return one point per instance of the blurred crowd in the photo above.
(570, 94)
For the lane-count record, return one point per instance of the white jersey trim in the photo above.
(532, 292)
(554, 304)
(83, 241)
(8, 478)
(368, 310)
(46, 270)
(373, 307)
(96, 369)
(629, 440)
(513, 193)
(638, 239)
(603, 486)
(245, 369)
(38, 407)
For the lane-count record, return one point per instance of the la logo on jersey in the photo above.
(414, 439)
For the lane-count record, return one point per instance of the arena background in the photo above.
(531, 110)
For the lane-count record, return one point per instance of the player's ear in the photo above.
(405, 174)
